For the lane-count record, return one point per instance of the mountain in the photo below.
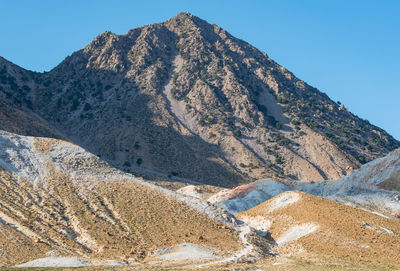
(185, 99)
(242, 164)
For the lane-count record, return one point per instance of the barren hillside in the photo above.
(316, 229)
(56, 199)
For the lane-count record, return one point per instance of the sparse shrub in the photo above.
(296, 122)
(282, 100)
(269, 164)
(237, 132)
(362, 159)
(278, 159)
(75, 104)
(26, 88)
(202, 74)
(205, 120)
(139, 161)
(301, 133)
(174, 77)
(87, 107)
(173, 92)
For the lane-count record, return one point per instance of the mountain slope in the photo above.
(313, 228)
(15, 114)
(374, 186)
(56, 199)
(187, 99)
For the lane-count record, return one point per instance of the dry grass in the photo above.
(342, 231)
(114, 219)
(160, 221)
(44, 144)
(14, 244)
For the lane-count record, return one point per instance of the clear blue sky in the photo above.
(347, 49)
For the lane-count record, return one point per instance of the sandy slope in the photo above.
(313, 227)
(57, 198)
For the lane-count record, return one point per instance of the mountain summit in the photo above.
(185, 99)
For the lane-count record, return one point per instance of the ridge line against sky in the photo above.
(347, 49)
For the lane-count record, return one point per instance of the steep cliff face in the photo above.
(187, 99)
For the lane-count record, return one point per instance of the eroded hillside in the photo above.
(58, 200)
(316, 229)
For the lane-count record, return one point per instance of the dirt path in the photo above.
(248, 249)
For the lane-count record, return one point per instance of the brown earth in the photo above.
(343, 232)
(85, 216)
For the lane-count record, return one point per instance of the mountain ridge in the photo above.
(184, 94)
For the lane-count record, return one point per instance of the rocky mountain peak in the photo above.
(185, 99)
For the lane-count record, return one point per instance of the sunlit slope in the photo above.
(57, 199)
(311, 227)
